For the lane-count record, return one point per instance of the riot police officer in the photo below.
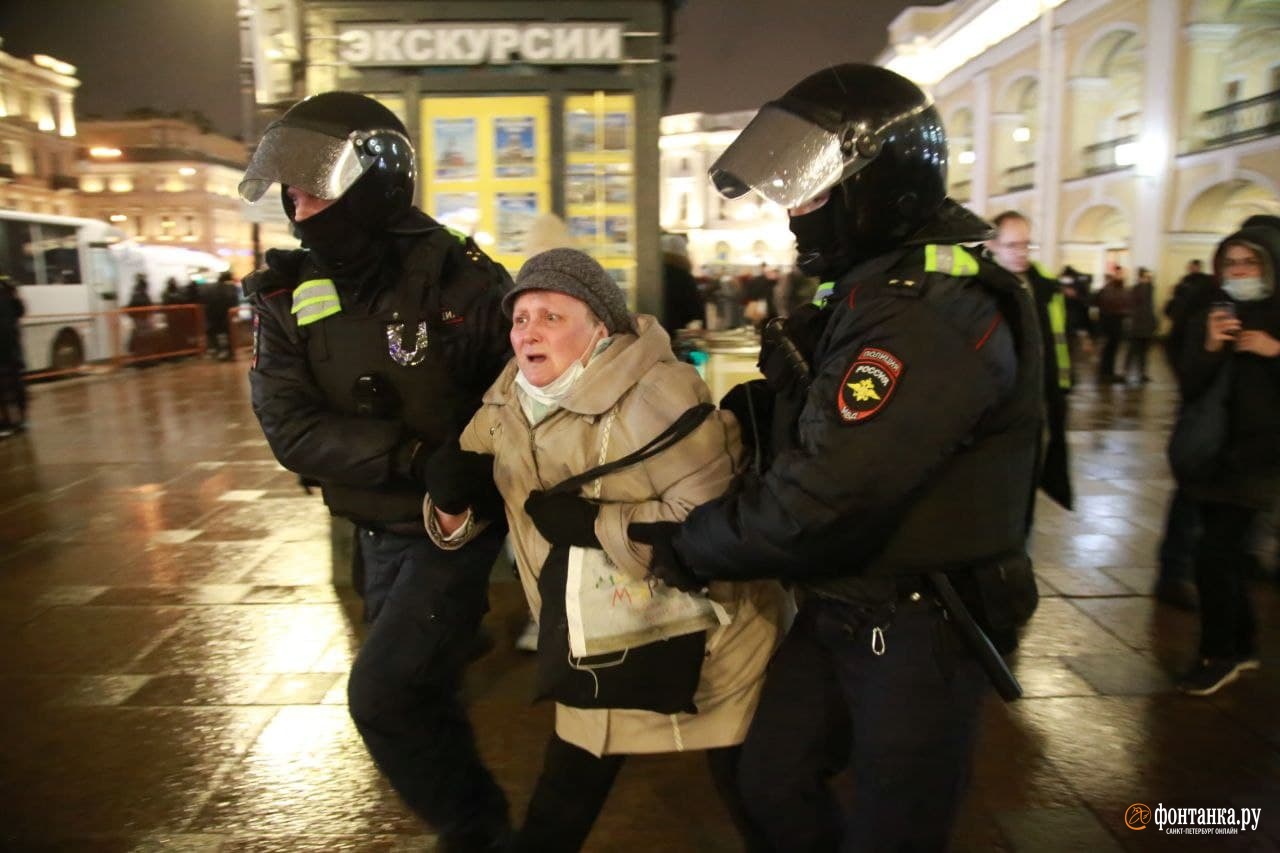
(907, 424)
(372, 347)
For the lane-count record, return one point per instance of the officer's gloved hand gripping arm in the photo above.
(305, 434)
(825, 507)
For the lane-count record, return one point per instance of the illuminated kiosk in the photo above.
(515, 108)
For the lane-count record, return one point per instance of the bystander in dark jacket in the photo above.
(1235, 341)
(1142, 325)
(13, 396)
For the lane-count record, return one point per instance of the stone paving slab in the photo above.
(174, 655)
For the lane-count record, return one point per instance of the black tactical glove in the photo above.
(666, 565)
(457, 479)
(563, 519)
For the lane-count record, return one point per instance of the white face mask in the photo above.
(1246, 289)
(557, 389)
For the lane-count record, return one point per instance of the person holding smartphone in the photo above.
(1240, 333)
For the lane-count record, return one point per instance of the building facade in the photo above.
(37, 135)
(724, 234)
(163, 181)
(1132, 132)
(515, 108)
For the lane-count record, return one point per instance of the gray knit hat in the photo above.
(575, 274)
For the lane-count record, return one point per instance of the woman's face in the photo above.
(1241, 262)
(549, 331)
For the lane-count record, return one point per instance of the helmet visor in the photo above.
(324, 166)
(787, 159)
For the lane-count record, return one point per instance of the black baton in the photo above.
(977, 641)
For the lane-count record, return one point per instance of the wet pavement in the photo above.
(173, 655)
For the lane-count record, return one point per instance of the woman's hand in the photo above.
(1258, 342)
(1221, 330)
(449, 522)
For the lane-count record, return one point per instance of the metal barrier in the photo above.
(125, 336)
(155, 332)
(239, 329)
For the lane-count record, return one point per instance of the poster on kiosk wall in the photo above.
(489, 166)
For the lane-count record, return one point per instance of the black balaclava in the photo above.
(340, 242)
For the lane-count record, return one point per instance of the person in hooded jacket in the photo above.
(590, 382)
(372, 347)
(1239, 334)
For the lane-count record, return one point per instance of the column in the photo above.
(66, 116)
(1154, 170)
(1052, 138)
(983, 159)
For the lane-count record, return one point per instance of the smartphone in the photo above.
(1224, 307)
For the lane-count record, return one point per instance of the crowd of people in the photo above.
(826, 568)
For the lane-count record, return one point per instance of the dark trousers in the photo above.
(425, 607)
(905, 719)
(574, 785)
(1226, 617)
(1181, 533)
(1112, 330)
(1135, 357)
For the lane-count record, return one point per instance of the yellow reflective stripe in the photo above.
(1044, 273)
(310, 316)
(949, 260)
(1058, 327)
(298, 306)
(823, 293)
(325, 284)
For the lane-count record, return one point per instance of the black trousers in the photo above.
(424, 607)
(1226, 618)
(899, 706)
(1135, 358)
(574, 785)
(1112, 330)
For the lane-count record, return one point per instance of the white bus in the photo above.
(161, 263)
(65, 273)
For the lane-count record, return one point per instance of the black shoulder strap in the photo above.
(688, 421)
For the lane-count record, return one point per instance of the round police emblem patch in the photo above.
(868, 385)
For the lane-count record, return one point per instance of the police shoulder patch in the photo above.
(867, 385)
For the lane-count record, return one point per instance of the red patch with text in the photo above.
(868, 385)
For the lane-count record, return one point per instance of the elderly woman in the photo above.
(587, 375)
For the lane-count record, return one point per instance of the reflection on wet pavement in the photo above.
(173, 654)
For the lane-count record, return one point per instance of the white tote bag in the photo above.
(610, 611)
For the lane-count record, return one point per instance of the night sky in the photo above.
(183, 54)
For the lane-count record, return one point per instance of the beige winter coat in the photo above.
(638, 380)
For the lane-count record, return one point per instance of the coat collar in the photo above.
(609, 376)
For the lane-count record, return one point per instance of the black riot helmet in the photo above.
(338, 145)
(856, 153)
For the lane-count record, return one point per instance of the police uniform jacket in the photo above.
(916, 447)
(629, 393)
(427, 332)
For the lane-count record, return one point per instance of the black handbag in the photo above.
(661, 676)
(1201, 431)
